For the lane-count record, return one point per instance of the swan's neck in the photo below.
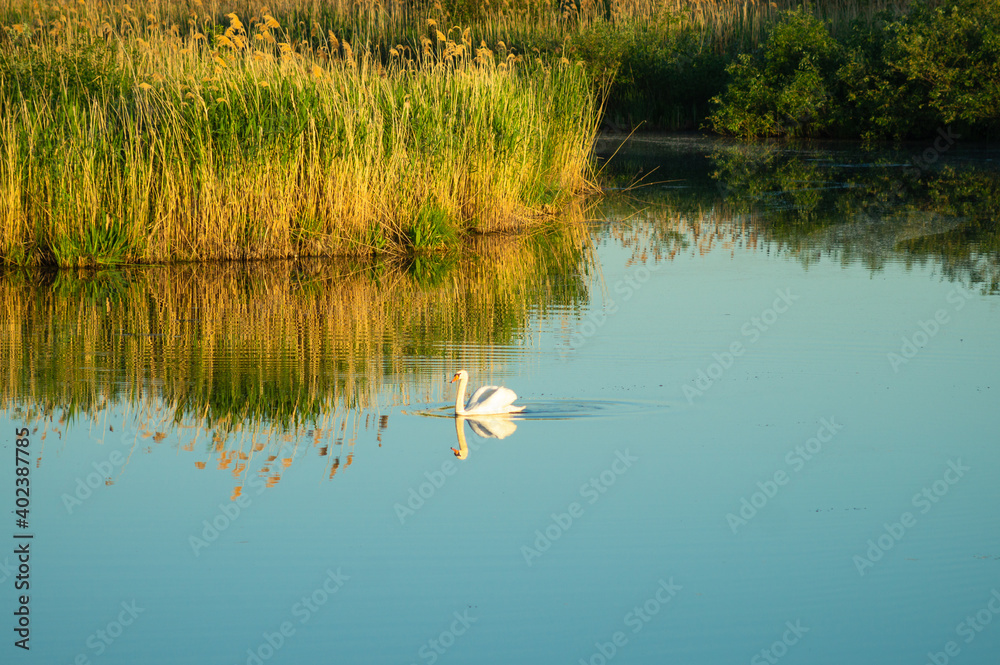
(460, 396)
(463, 447)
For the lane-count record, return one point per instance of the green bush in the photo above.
(432, 228)
(786, 90)
(898, 76)
(954, 51)
(878, 100)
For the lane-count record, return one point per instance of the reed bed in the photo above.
(524, 24)
(129, 139)
(226, 129)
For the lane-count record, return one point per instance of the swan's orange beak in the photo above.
(454, 379)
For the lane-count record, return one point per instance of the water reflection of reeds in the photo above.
(248, 366)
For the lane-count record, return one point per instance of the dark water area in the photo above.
(760, 425)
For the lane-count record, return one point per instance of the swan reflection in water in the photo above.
(488, 427)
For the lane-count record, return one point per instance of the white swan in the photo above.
(488, 400)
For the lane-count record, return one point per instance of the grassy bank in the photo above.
(163, 133)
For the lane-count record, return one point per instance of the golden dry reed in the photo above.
(163, 132)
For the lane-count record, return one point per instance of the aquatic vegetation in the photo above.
(230, 130)
(128, 138)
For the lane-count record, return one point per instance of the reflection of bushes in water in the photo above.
(651, 233)
(789, 184)
(870, 211)
(970, 250)
(244, 447)
(276, 346)
(808, 201)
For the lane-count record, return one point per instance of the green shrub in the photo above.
(954, 51)
(898, 76)
(907, 76)
(432, 228)
(878, 101)
(787, 89)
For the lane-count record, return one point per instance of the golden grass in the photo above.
(131, 135)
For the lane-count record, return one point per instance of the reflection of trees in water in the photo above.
(852, 207)
(244, 365)
(660, 232)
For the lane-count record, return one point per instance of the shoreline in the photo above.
(244, 135)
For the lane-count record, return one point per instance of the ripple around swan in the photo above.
(563, 409)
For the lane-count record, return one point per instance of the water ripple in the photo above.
(563, 409)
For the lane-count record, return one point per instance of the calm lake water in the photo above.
(761, 425)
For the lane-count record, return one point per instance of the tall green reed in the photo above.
(128, 143)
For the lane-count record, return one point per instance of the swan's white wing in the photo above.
(492, 399)
(480, 395)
